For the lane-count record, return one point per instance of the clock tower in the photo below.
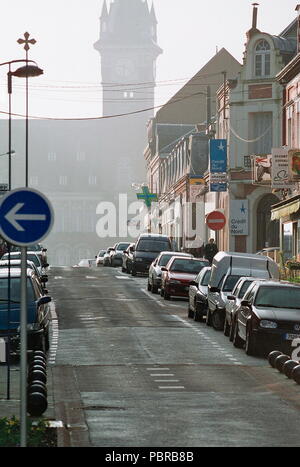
(128, 51)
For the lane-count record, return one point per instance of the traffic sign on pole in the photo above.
(216, 220)
(26, 216)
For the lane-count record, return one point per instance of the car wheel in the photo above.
(250, 346)
(226, 328)
(123, 269)
(208, 317)
(198, 315)
(217, 321)
(237, 341)
(166, 295)
(148, 287)
(133, 272)
(231, 330)
(154, 289)
(162, 292)
(190, 312)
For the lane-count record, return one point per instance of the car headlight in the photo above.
(268, 324)
(174, 282)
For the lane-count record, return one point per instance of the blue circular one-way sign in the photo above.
(26, 216)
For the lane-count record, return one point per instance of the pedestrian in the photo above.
(210, 250)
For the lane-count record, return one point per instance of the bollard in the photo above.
(36, 404)
(272, 355)
(37, 367)
(296, 374)
(280, 361)
(37, 375)
(37, 386)
(288, 367)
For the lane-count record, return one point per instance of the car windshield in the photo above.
(155, 246)
(244, 289)
(205, 279)
(164, 260)
(122, 246)
(187, 265)
(15, 289)
(31, 257)
(101, 253)
(278, 297)
(229, 283)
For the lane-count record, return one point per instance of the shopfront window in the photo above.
(287, 241)
(298, 240)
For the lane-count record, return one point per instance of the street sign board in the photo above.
(26, 216)
(215, 220)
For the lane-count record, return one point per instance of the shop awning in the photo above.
(285, 209)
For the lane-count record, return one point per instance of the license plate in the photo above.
(290, 337)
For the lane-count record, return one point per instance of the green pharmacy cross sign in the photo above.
(147, 196)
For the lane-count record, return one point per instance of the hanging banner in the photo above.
(239, 217)
(280, 168)
(294, 164)
(218, 155)
(262, 168)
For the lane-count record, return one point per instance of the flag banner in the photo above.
(294, 164)
(280, 168)
(261, 168)
(218, 155)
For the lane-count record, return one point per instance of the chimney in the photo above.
(298, 28)
(254, 16)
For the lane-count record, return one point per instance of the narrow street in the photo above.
(131, 370)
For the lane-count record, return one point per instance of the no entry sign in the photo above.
(216, 220)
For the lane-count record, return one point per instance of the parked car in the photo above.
(268, 317)
(177, 275)
(116, 254)
(233, 302)
(106, 257)
(16, 264)
(227, 268)
(147, 248)
(38, 311)
(38, 248)
(154, 278)
(99, 258)
(271, 252)
(31, 256)
(197, 308)
(127, 258)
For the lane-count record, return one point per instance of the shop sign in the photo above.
(280, 168)
(294, 164)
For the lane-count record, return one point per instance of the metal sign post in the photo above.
(26, 217)
(23, 333)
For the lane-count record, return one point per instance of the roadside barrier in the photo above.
(36, 379)
(285, 364)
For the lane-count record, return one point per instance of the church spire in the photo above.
(104, 13)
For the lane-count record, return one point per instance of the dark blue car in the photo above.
(38, 311)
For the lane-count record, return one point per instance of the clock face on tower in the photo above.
(124, 68)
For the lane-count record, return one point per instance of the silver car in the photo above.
(154, 277)
(198, 295)
(233, 302)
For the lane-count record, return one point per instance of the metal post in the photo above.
(26, 148)
(23, 335)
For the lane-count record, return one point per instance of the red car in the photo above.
(178, 274)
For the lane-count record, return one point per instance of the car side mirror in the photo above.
(43, 300)
(214, 290)
(231, 297)
(44, 278)
(193, 283)
(46, 265)
(164, 269)
(245, 303)
(44, 250)
(131, 249)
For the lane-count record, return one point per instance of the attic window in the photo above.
(262, 59)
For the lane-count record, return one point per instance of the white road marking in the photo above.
(171, 387)
(158, 374)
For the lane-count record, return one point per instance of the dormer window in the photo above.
(262, 59)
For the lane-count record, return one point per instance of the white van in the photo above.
(226, 269)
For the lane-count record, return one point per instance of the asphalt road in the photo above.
(131, 370)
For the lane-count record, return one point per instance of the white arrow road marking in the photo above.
(12, 217)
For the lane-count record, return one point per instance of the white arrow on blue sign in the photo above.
(26, 216)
